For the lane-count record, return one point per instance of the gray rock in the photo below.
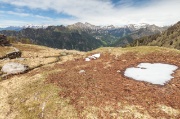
(14, 68)
(13, 55)
(4, 41)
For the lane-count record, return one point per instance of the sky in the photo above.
(97, 12)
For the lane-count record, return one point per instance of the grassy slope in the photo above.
(4, 50)
(169, 38)
(33, 96)
(22, 93)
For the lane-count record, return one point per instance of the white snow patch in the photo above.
(95, 56)
(87, 59)
(91, 57)
(82, 71)
(156, 73)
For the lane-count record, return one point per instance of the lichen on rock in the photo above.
(14, 68)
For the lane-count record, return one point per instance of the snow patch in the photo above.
(96, 55)
(87, 59)
(93, 57)
(82, 71)
(155, 73)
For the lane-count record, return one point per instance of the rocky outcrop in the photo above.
(13, 55)
(4, 41)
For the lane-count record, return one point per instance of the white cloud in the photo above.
(21, 14)
(15, 13)
(103, 12)
(37, 19)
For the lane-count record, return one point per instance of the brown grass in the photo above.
(100, 92)
(4, 50)
(100, 84)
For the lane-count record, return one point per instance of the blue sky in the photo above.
(98, 12)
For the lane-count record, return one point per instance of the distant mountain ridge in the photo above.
(12, 28)
(142, 32)
(18, 28)
(169, 38)
(91, 36)
(86, 25)
(111, 34)
(57, 37)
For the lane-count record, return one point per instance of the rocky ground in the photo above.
(61, 84)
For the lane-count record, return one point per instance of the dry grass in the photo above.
(120, 112)
(58, 91)
(4, 50)
(101, 82)
(40, 100)
(169, 110)
(29, 47)
(30, 98)
(27, 96)
(35, 56)
(140, 50)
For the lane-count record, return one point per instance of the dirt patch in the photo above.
(103, 81)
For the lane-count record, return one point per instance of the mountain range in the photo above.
(18, 28)
(81, 36)
(110, 34)
(56, 37)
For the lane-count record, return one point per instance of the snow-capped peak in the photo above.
(35, 26)
(80, 25)
(136, 26)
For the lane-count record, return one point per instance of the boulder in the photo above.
(4, 41)
(13, 55)
(14, 68)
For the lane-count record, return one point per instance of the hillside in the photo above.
(57, 37)
(142, 32)
(61, 84)
(118, 36)
(80, 36)
(169, 38)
